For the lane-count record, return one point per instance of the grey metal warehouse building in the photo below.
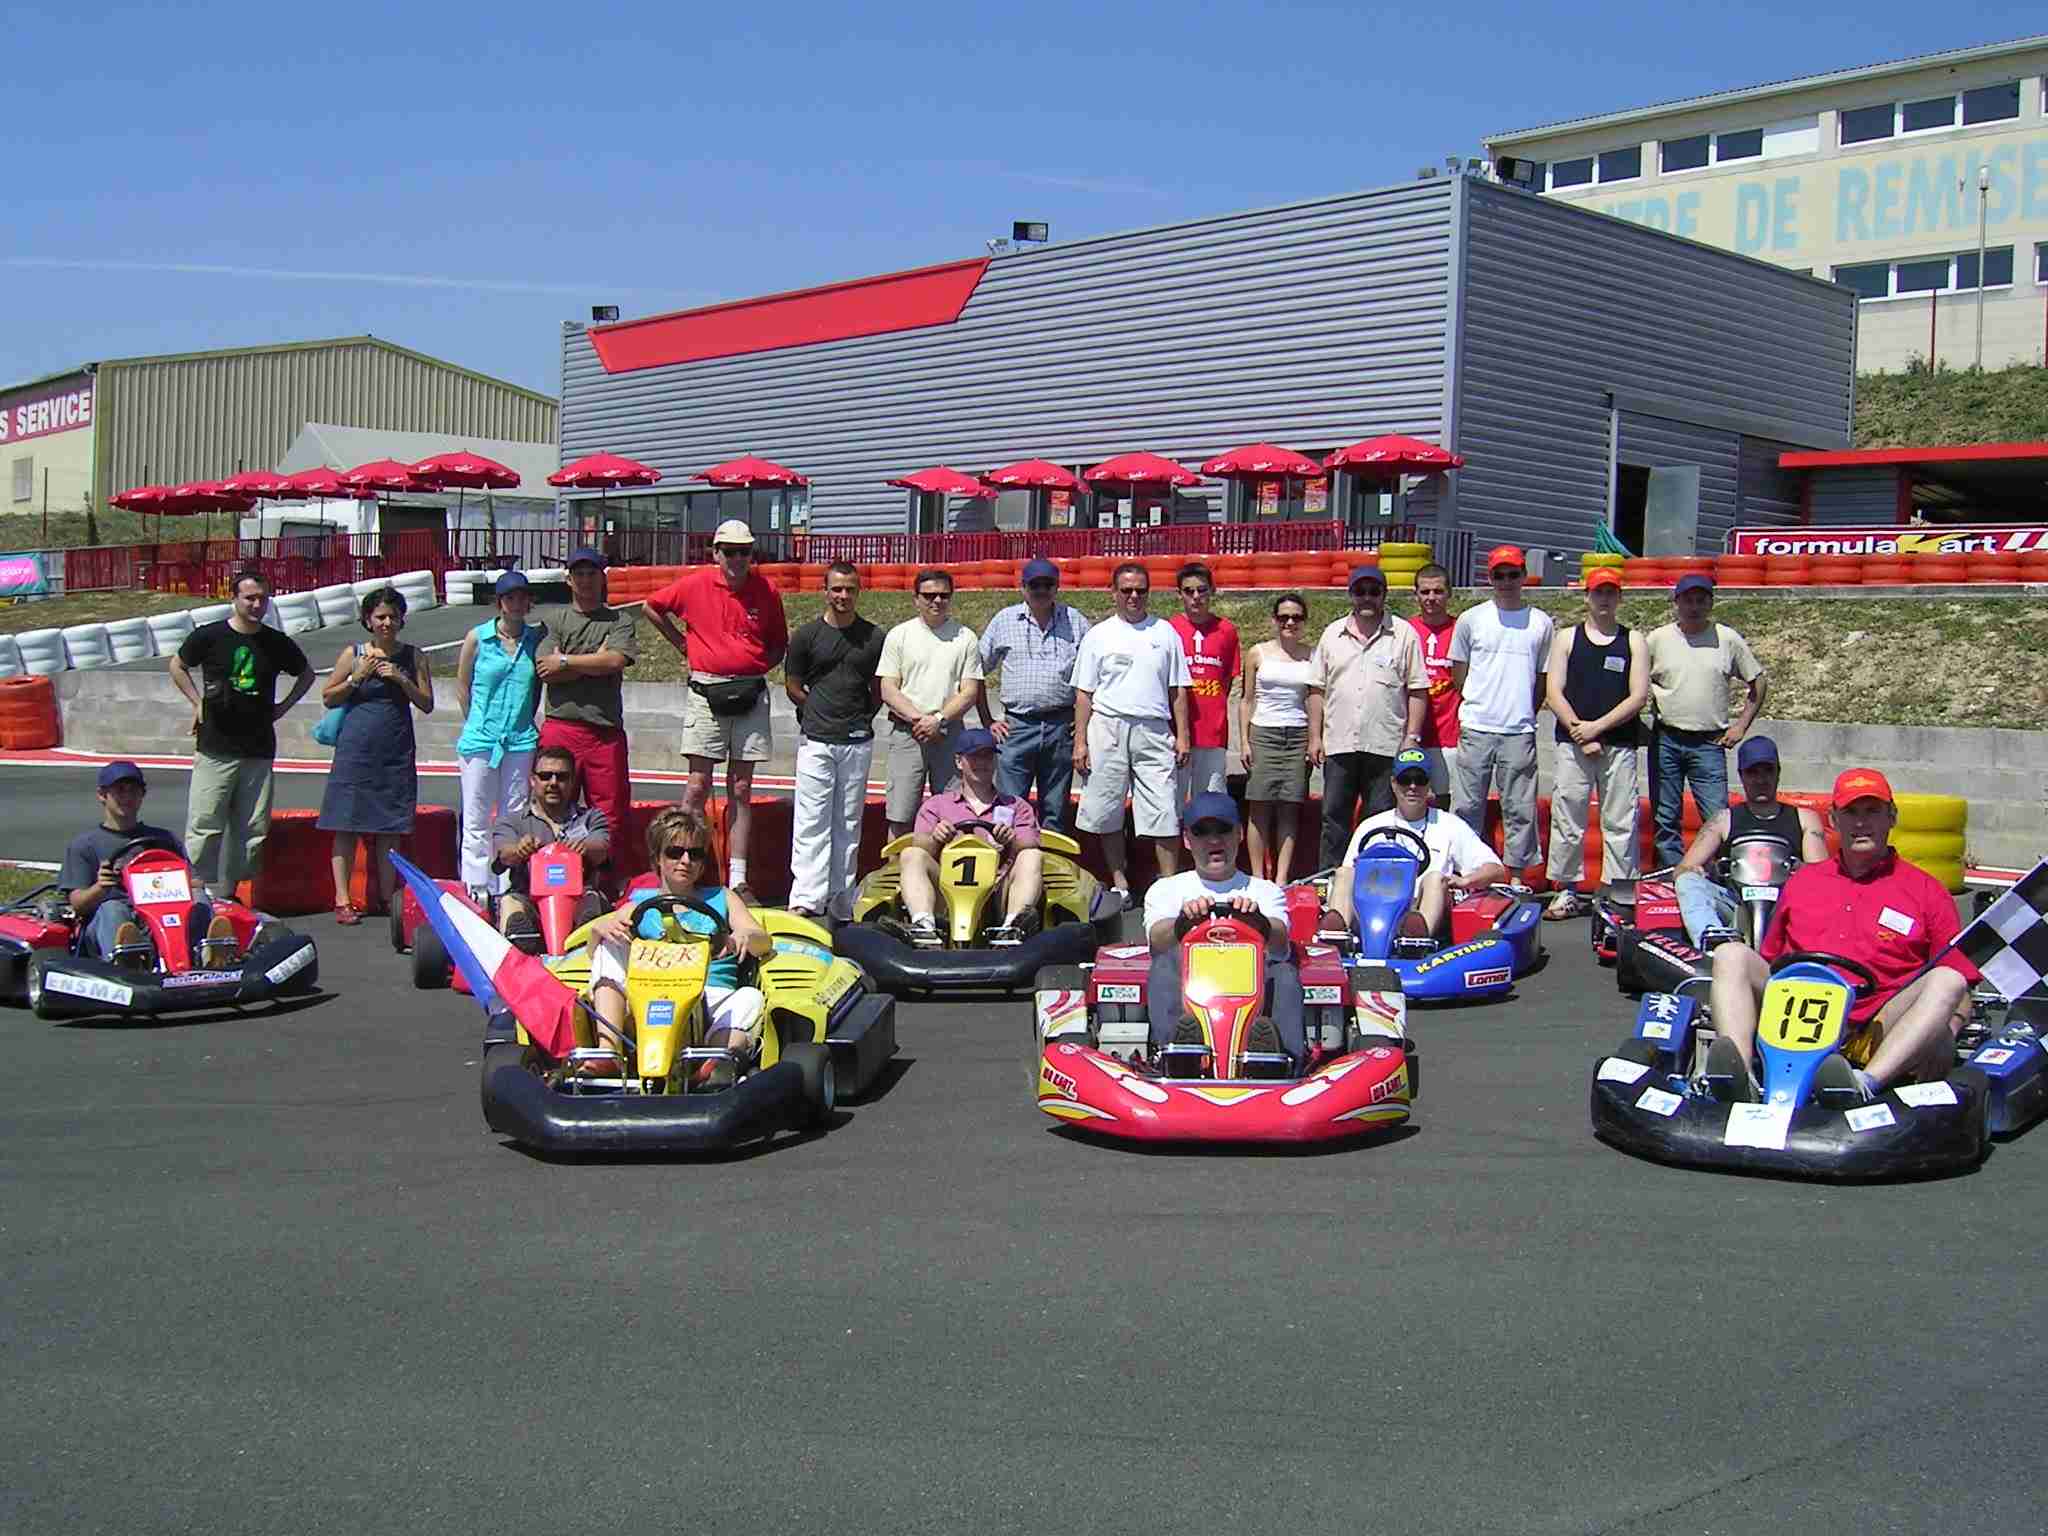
(1567, 356)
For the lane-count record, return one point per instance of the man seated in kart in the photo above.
(1014, 830)
(1709, 907)
(1458, 859)
(555, 813)
(679, 843)
(1212, 831)
(92, 884)
(1866, 904)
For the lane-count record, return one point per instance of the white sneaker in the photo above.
(924, 932)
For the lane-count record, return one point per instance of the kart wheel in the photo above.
(429, 960)
(268, 933)
(398, 923)
(36, 966)
(821, 1086)
(1637, 1050)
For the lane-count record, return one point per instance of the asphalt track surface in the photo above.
(271, 1272)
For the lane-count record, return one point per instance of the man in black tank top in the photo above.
(1598, 683)
(1708, 907)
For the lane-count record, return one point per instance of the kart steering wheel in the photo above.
(1421, 849)
(1859, 972)
(135, 845)
(1182, 923)
(668, 906)
(974, 824)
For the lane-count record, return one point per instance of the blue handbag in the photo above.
(328, 731)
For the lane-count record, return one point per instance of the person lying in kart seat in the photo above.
(974, 797)
(1211, 830)
(679, 844)
(1458, 859)
(1707, 906)
(1865, 904)
(93, 886)
(555, 813)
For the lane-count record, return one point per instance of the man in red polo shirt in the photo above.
(734, 633)
(1864, 904)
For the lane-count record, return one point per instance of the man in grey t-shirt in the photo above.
(594, 643)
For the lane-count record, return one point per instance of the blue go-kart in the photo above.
(1495, 934)
(1652, 1097)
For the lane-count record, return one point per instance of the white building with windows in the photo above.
(1885, 178)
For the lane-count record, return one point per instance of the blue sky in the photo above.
(181, 177)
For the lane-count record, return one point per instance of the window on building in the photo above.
(1621, 164)
(1992, 103)
(1934, 112)
(1871, 280)
(1929, 276)
(1860, 125)
(1795, 136)
(1997, 268)
(1683, 154)
(1743, 144)
(1571, 173)
(2041, 262)
(24, 479)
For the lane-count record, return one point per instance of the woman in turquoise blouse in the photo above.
(499, 694)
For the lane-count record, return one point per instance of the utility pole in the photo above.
(1983, 203)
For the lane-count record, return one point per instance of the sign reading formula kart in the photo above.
(1893, 541)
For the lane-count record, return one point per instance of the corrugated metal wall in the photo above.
(1560, 307)
(1770, 497)
(1852, 496)
(1312, 325)
(205, 416)
(1656, 442)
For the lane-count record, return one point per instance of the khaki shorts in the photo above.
(1135, 758)
(724, 738)
(912, 769)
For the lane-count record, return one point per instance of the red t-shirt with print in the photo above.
(1440, 721)
(1214, 664)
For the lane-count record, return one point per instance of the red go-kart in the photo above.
(170, 970)
(555, 886)
(1210, 1085)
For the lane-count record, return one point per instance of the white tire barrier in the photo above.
(212, 613)
(418, 587)
(86, 648)
(464, 588)
(168, 630)
(369, 584)
(337, 605)
(10, 657)
(129, 640)
(42, 652)
(296, 612)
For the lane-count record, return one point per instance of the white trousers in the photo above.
(831, 794)
(487, 794)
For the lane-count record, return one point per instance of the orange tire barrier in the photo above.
(1685, 565)
(29, 719)
(1884, 573)
(1986, 569)
(1937, 570)
(1787, 571)
(1739, 571)
(1836, 570)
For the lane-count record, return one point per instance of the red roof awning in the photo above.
(1953, 453)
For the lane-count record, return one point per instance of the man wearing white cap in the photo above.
(733, 632)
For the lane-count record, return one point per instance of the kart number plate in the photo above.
(159, 885)
(1116, 992)
(1803, 1016)
(1225, 970)
(1759, 893)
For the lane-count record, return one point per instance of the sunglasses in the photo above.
(935, 597)
(554, 773)
(1506, 575)
(1211, 829)
(1194, 591)
(685, 851)
(1290, 618)
(1414, 780)
(1132, 591)
(1040, 586)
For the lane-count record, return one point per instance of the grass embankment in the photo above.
(17, 883)
(1917, 409)
(92, 608)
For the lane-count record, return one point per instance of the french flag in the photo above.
(498, 974)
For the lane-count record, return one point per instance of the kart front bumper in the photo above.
(68, 986)
(898, 967)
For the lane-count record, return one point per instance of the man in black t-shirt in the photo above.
(832, 674)
(234, 718)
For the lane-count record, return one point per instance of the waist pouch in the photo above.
(737, 697)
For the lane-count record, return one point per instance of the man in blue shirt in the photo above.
(93, 886)
(1033, 645)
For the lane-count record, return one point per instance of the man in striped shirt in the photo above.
(1033, 645)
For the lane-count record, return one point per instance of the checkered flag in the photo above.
(2009, 941)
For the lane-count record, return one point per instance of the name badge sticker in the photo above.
(1616, 663)
(1897, 921)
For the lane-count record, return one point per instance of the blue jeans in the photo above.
(1163, 1001)
(1040, 749)
(110, 914)
(1676, 759)
(1704, 903)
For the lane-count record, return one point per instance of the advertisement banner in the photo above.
(1315, 499)
(62, 406)
(23, 576)
(1999, 539)
(1269, 498)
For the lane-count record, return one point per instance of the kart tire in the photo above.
(269, 933)
(37, 964)
(821, 1086)
(398, 923)
(429, 959)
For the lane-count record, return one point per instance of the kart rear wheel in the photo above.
(429, 960)
(821, 1085)
(37, 964)
(398, 923)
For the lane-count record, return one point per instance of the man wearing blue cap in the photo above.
(592, 645)
(1707, 906)
(1033, 645)
(1458, 859)
(1212, 831)
(91, 883)
(973, 796)
(1691, 662)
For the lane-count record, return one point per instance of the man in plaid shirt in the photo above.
(1033, 645)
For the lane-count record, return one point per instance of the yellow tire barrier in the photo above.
(1593, 562)
(1933, 813)
(1421, 554)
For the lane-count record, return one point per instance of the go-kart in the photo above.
(561, 901)
(659, 1086)
(1496, 934)
(1637, 927)
(1359, 1080)
(171, 969)
(1075, 914)
(1653, 1097)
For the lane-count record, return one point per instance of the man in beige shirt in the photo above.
(1691, 661)
(1367, 693)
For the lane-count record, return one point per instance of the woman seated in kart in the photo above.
(1013, 828)
(679, 843)
(1708, 907)
(1867, 905)
(1458, 860)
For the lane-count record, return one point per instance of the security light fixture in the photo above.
(998, 245)
(1030, 233)
(1427, 173)
(1511, 168)
(600, 313)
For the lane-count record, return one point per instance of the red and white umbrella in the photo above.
(1394, 456)
(464, 471)
(324, 484)
(942, 481)
(750, 473)
(603, 471)
(1262, 461)
(260, 483)
(1032, 475)
(1136, 469)
(381, 475)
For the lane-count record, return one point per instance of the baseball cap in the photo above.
(586, 556)
(1505, 554)
(118, 770)
(1861, 784)
(1693, 581)
(1370, 573)
(511, 581)
(1039, 570)
(1603, 576)
(1211, 805)
(1411, 760)
(733, 531)
(973, 741)
(1757, 749)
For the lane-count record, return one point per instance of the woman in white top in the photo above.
(1272, 735)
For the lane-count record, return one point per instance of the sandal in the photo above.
(348, 917)
(1564, 906)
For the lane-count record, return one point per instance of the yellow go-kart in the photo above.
(1076, 914)
(823, 1034)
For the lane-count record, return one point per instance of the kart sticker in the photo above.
(89, 986)
(290, 965)
(1923, 1095)
(171, 920)
(153, 885)
(1322, 994)
(804, 947)
(1658, 1102)
(1116, 992)
(1498, 976)
(1445, 957)
(1126, 951)
(1301, 1093)
(554, 874)
(1657, 1029)
(1992, 1057)
(1871, 1117)
(1897, 921)
(1051, 1079)
(1758, 1125)
(1617, 1070)
(202, 978)
(661, 1013)
(1759, 893)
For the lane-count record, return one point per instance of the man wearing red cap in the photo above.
(1866, 904)
(1500, 655)
(1597, 681)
